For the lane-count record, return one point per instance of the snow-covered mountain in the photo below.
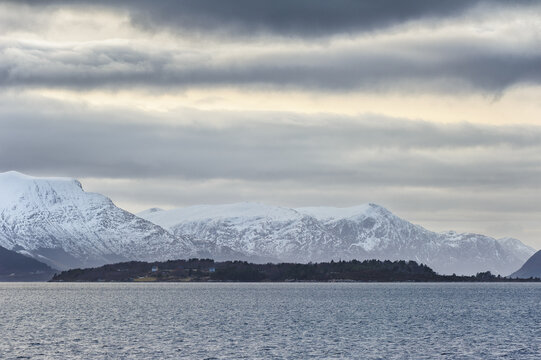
(324, 233)
(56, 222)
(257, 230)
(517, 247)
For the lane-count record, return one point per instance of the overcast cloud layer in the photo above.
(303, 18)
(164, 104)
(368, 150)
(449, 66)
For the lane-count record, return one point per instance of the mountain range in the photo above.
(55, 221)
(324, 233)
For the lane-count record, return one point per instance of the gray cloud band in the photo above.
(447, 66)
(370, 150)
(303, 18)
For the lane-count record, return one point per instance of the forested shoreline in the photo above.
(208, 270)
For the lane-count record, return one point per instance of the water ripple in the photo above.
(270, 321)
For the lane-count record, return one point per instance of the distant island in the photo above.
(208, 270)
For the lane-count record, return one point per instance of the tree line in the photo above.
(199, 270)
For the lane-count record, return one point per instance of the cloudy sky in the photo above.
(429, 108)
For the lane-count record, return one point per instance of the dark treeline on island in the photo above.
(202, 270)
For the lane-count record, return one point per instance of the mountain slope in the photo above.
(55, 221)
(373, 231)
(517, 247)
(257, 230)
(531, 268)
(324, 233)
(17, 267)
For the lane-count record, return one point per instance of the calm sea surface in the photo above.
(270, 321)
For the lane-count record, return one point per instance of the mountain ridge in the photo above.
(55, 221)
(325, 233)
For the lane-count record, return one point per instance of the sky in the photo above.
(430, 109)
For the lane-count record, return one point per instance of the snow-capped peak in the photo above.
(516, 246)
(337, 213)
(56, 219)
(322, 233)
(241, 211)
(14, 184)
(15, 178)
(18, 176)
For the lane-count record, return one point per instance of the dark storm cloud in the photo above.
(305, 18)
(447, 66)
(370, 150)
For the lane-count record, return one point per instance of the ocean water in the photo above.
(270, 321)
